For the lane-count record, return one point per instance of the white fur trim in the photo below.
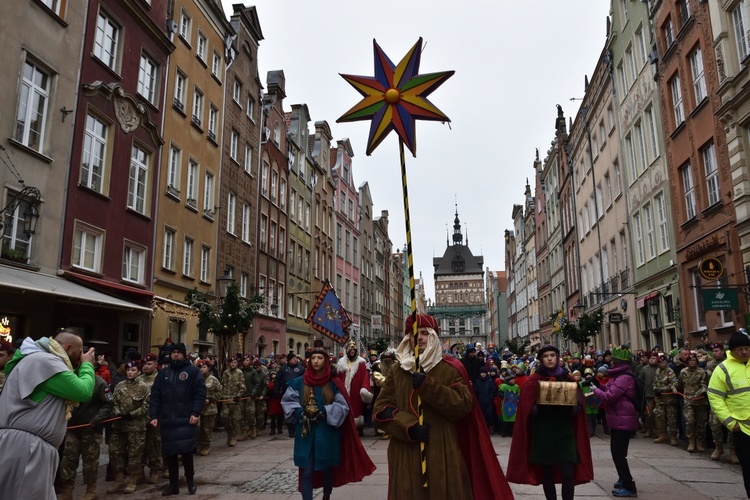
(359, 421)
(350, 368)
(365, 395)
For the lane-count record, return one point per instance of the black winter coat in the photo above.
(179, 391)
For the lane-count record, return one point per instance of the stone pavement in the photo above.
(262, 469)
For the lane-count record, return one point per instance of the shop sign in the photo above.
(720, 299)
(711, 268)
(615, 317)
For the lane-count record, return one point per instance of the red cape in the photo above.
(355, 462)
(520, 471)
(477, 450)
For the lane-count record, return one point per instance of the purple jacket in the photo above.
(618, 394)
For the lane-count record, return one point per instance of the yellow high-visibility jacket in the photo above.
(729, 393)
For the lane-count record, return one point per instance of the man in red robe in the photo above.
(461, 461)
(352, 371)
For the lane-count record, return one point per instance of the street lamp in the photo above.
(578, 309)
(224, 283)
(30, 195)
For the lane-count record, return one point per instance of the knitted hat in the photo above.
(576, 372)
(290, 356)
(602, 369)
(180, 347)
(739, 339)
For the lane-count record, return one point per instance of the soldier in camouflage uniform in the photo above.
(665, 409)
(152, 449)
(128, 433)
(257, 389)
(208, 415)
(85, 442)
(248, 402)
(693, 383)
(233, 388)
(717, 429)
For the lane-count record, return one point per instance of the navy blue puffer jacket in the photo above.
(178, 392)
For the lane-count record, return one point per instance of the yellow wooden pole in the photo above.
(412, 290)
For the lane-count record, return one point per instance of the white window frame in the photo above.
(234, 142)
(193, 169)
(188, 250)
(640, 254)
(668, 33)
(231, 212)
(688, 190)
(107, 40)
(237, 92)
(216, 65)
(13, 236)
(33, 100)
(264, 179)
(186, 24)
(250, 107)
(173, 168)
(248, 164)
(713, 190)
(167, 258)
(180, 84)
(202, 46)
(133, 263)
(282, 193)
(650, 233)
(661, 214)
(208, 195)
(699, 78)
(148, 74)
(676, 92)
(246, 223)
(740, 37)
(87, 239)
(263, 229)
(653, 133)
(244, 280)
(96, 137)
(205, 271)
(198, 99)
(213, 120)
(138, 179)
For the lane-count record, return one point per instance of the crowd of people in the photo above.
(59, 405)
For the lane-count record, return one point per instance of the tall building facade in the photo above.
(701, 184)
(113, 190)
(188, 186)
(460, 305)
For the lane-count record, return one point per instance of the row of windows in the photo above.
(351, 245)
(187, 264)
(599, 201)
(713, 190)
(651, 219)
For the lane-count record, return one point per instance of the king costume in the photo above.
(461, 461)
(352, 371)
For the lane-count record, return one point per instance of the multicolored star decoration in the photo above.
(395, 98)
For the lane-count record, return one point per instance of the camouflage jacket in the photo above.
(232, 383)
(712, 365)
(147, 379)
(257, 382)
(131, 402)
(693, 383)
(213, 393)
(665, 380)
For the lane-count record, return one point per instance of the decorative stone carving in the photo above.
(720, 63)
(126, 113)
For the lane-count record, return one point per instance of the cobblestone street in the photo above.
(262, 469)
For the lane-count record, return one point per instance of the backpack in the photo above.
(639, 401)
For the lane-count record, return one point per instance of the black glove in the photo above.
(586, 383)
(417, 379)
(596, 382)
(386, 413)
(420, 433)
(236, 399)
(657, 392)
(535, 411)
(96, 423)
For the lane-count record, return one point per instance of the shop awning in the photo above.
(29, 281)
(108, 284)
(642, 301)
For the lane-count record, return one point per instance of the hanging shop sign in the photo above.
(711, 268)
(720, 299)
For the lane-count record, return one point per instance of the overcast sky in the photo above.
(514, 61)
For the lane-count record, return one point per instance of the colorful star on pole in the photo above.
(395, 98)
